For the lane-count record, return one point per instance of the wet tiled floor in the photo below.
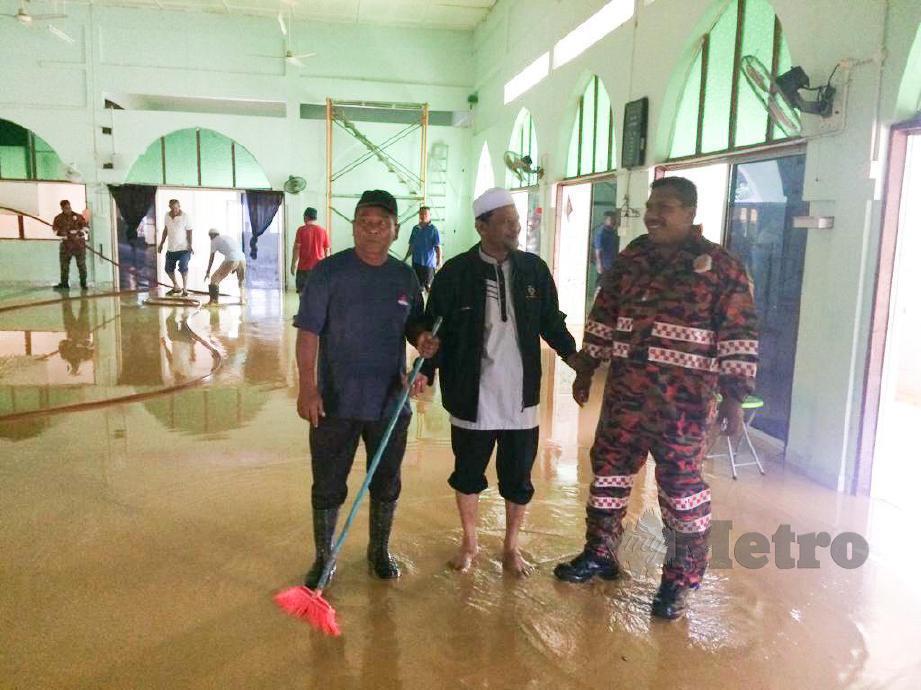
(142, 541)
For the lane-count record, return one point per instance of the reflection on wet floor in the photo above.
(142, 541)
(86, 350)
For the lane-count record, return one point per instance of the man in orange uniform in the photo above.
(676, 319)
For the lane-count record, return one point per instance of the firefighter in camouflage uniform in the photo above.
(675, 318)
(71, 228)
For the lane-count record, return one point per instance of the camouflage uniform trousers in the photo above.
(639, 417)
(65, 255)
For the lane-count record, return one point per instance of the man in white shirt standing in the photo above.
(497, 303)
(177, 235)
(234, 262)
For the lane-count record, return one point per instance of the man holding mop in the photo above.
(356, 314)
(234, 262)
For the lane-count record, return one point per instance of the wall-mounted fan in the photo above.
(287, 31)
(29, 20)
(522, 166)
(781, 96)
(295, 185)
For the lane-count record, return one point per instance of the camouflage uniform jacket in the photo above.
(676, 330)
(69, 227)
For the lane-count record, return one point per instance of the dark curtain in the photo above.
(134, 202)
(262, 207)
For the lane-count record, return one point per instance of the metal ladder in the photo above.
(437, 182)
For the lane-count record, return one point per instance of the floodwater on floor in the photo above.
(143, 540)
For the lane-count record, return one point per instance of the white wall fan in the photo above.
(781, 96)
(521, 167)
(29, 20)
(286, 26)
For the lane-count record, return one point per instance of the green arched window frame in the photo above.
(591, 147)
(523, 142)
(26, 156)
(718, 111)
(198, 158)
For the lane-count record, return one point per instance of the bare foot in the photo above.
(464, 558)
(514, 562)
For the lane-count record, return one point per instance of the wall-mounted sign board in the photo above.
(636, 119)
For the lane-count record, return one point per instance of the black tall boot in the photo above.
(213, 292)
(671, 601)
(324, 527)
(379, 557)
(599, 539)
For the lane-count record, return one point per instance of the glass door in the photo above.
(764, 196)
(896, 472)
(603, 238)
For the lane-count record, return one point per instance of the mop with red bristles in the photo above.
(309, 604)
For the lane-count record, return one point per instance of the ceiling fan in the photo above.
(287, 30)
(28, 20)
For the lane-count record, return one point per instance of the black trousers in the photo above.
(332, 449)
(300, 279)
(65, 255)
(425, 274)
(472, 450)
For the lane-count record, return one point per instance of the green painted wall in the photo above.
(651, 56)
(58, 91)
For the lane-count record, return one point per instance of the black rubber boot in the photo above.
(379, 557)
(585, 566)
(213, 294)
(324, 527)
(671, 601)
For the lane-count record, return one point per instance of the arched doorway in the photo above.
(33, 181)
(198, 157)
(218, 183)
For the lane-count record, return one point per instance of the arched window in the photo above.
(26, 156)
(198, 158)
(718, 111)
(485, 177)
(591, 148)
(524, 143)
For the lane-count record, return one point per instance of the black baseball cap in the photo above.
(379, 198)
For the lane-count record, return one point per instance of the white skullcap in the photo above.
(491, 199)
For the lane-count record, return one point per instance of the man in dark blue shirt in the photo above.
(606, 242)
(425, 247)
(357, 311)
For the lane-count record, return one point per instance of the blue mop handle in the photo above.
(375, 461)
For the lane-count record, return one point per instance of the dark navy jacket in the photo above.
(459, 296)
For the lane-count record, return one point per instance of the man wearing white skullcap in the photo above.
(490, 200)
(497, 302)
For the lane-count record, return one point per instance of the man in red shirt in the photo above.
(311, 245)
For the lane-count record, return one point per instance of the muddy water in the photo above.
(142, 543)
